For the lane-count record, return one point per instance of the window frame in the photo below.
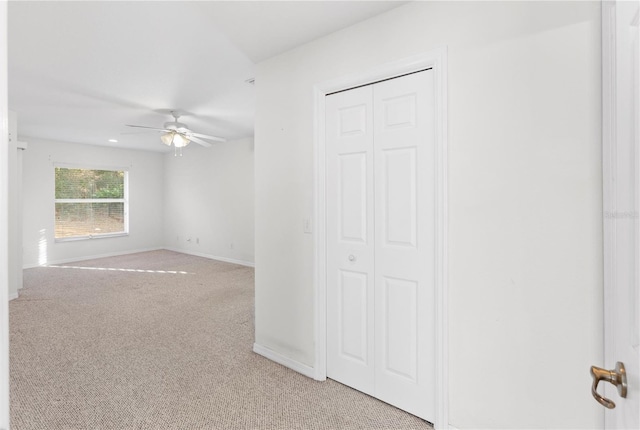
(124, 200)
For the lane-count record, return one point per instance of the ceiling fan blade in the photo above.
(199, 141)
(140, 132)
(150, 128)
(206, 136)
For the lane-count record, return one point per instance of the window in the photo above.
(90, 203)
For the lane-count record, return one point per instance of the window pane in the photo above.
(83, 219)
(89, 184)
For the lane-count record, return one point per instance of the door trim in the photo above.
(4, 220)
(608, 158)
(437, 61)
(616, 258)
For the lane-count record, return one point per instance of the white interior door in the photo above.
(381, 241)
(350, 241)
(405, 243)
(622, 198)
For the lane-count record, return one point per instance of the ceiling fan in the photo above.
(179, 135)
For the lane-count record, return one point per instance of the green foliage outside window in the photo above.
(78, 214)
(89, 184)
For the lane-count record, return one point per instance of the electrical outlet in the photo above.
(197, 241)
(306, 226)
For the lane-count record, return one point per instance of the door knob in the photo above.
(617, 377)
(352, 257)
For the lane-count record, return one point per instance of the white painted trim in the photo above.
(90, 257)
(320, 234)
(89, 237)
(285, 361)
(436, 60)
(213, 257)
(4, 220)
(13, 296)
(135, 251)
(609, 158)
(442, 241)
(89, 166)
(90, 200)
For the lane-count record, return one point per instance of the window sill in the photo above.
(90, 237)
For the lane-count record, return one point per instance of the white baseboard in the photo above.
(135, 251)
(13, 296)
(90, 257)
(213, 257)
(285, 361)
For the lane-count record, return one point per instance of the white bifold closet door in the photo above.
(381, 241)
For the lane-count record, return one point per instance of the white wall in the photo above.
(209, 199)
(146, 201)
(525, 235)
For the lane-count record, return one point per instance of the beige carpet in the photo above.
(161, 340)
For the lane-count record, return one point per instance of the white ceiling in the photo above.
(79, 71)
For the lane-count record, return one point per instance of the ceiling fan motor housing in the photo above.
(177, 126)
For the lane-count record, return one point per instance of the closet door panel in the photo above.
(350, 241)
(404, 161)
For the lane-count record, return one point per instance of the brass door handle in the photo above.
(617, 377)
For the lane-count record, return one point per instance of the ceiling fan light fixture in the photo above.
(180, 140)
(167, 138)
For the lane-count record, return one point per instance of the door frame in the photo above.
(4, 221)
(437, 61)
(608, 160)
(611, 185)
